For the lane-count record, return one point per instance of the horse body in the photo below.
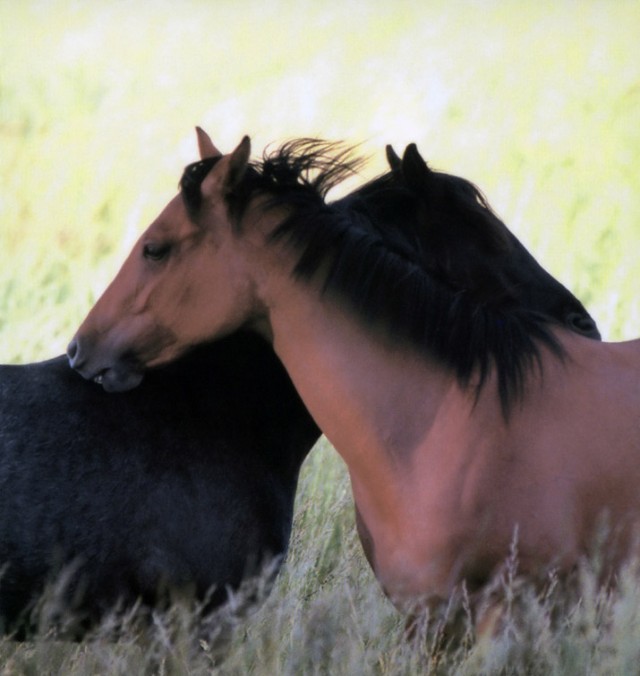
(466, 423)
(184, 485)
(443, 482)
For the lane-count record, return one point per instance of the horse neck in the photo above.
(374, 401)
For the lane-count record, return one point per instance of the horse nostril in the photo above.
(72, 352)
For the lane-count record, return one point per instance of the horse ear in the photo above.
(227, 172)
(238, 163)
(205, 145)
(393, 158)
(414, 168)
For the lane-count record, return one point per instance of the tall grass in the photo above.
(537, 102)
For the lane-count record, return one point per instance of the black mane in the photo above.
(426, 263)
(299, 175)
(421, 263)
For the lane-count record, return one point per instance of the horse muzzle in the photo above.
(114, 373)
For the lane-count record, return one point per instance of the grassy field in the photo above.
(536, 102)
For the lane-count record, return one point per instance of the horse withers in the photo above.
(463, 414)
(182, 487)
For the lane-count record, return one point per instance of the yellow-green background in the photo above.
(537, 102)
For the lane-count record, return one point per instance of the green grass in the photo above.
(537, 102)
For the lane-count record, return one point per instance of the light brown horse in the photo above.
(462, 417)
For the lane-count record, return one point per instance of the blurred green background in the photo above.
(536, 102)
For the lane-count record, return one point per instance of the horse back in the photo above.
(187, 481)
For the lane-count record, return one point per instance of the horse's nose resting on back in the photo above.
(78, 356)
(80, 360)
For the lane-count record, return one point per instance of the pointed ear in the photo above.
(205, 145)
(227, 172)
(392, 158)
(238, 163)
(414, 168)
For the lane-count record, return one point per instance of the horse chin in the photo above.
(118, 379)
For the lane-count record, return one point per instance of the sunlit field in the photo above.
(537, 102)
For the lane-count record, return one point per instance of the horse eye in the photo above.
(155, 252)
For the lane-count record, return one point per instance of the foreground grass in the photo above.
(326, 615)
(536, 102)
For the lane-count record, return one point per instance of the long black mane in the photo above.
(419, 255)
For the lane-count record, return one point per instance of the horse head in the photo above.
(142, 319)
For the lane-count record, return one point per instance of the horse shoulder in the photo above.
(479, 484)
(444, 529)
(579, 432)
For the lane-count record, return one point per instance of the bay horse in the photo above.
(463, 416)
(184, 486)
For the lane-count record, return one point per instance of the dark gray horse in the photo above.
(186, 483)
